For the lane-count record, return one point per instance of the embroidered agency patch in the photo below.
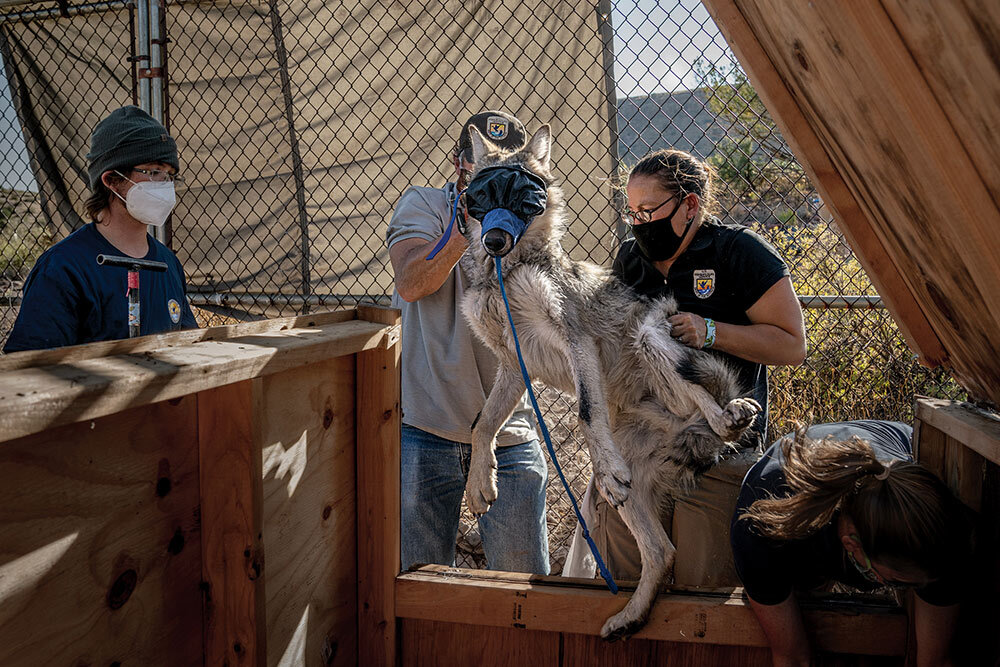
(704, 283)
(496, 127)
(174, 309)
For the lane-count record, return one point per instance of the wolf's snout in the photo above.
(498, 242)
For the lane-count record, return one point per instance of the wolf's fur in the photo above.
(649, 428)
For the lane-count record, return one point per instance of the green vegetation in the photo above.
(858, 365)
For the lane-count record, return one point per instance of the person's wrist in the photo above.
(709, 333)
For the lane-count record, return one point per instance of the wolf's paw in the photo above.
(481, 489)
(624, 624)
(614, 481)
(737, 417)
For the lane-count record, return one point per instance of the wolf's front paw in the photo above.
(737, 417)
(481, 489)
(625, 623)
(614, 481)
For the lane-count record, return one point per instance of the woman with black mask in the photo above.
(736, 299)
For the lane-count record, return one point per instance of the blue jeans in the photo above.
(434, 471)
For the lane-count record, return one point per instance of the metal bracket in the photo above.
(150, 73)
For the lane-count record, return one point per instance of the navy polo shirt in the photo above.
(723, 272)
(70, 299)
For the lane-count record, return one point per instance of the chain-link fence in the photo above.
(300, 123)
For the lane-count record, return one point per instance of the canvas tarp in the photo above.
(300, 124)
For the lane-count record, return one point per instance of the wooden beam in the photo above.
(232, 545)
(108, 348)
(38, 398)
(786, 106)
(553, 604)
(979, 431)
(378, 429)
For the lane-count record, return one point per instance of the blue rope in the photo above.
(548, 442)
(447, 232)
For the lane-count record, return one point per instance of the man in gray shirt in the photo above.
(447, 373)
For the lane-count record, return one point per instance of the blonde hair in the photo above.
(905, 516)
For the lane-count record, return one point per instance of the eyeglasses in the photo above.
(159, 176)
(642, 217)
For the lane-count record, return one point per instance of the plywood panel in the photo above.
(435, 644)
(100, 542)
(306, 434)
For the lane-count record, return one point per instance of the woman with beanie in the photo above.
(845, 503)
(68, 298)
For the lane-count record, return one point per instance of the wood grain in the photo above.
(100, 542)
(378, 434)
(110, 348)
(232, 548)
(41, 397)
(436, 644)
(307, 436)
(546, 603)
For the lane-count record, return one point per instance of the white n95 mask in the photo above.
(150, 201)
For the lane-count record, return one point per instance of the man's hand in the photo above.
(689, 329)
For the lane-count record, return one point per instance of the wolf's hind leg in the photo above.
(481, 487)
(611, 473)
(679, 378)
(640, 513)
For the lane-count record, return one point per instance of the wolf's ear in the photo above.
(478, 144)
(540, 145)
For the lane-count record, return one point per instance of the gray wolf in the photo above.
(654, 413)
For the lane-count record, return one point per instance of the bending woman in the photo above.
(845, 502)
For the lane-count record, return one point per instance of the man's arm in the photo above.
(935, 627)
(415, 275)
(782, 623)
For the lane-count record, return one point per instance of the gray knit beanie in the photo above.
(127, 137)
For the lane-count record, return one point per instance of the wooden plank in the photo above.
(964, 470)
(958, 77)
(930, 446)
(784, 106)
(546, 603)
(378, 429)
(435, 644)
(978, 430)
(37, 398)
(100, 543)
(306, 431)
(232, 548)
(111, 348)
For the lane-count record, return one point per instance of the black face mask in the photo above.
(505, 199)
(656, 239)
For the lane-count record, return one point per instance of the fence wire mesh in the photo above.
(301, 123)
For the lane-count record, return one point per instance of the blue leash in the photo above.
(548, 442)
(447, 232)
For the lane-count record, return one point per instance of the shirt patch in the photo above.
(496, 126)
(704, 283)
(174, 309)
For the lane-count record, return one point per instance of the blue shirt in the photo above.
(70, 299)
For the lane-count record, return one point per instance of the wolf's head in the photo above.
(514, 192)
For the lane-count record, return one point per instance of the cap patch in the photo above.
(496, 127)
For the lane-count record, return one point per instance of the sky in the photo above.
(655, 45)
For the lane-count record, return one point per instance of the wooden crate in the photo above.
(190, 498)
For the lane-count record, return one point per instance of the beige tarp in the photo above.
(376, 93)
